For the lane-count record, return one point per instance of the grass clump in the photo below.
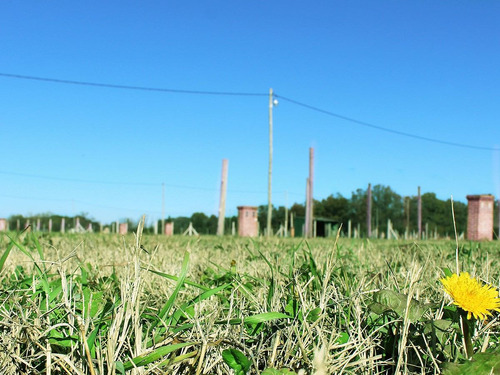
(104, 304)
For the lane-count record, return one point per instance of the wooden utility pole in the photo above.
(419, 214)
(286, 214)
(369, 211)
(307, 230)
(407, 207)
(222, 203)
(309, 198)
(163, 208)
(269, 185)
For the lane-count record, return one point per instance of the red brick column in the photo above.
(480, 217)
(248, 225)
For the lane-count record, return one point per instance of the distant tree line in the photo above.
(386, 204)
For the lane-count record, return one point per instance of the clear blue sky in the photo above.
(428, 68)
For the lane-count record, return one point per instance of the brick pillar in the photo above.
(123, 228)
(169, 229)
(480, 217)
(3, 225)
(248, 225)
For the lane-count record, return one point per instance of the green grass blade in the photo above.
(270, 292)
(203, 296)
(5, 255)
(175, 278)
(170, 302)
(145, 359)
(265, 317)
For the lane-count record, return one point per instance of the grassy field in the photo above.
(108, 304)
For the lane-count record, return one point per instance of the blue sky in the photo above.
(421, 67)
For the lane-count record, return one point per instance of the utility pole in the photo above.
(222, 203)
(163, 208)
(286, 214)
(269, 186)
(419, 214)
(309, 198)
(407, 207)
(307, 230)
(369, 211)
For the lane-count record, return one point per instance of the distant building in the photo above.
(480, 217)
(248, 224)
(123, 228)
(169, 229)
(322, 227)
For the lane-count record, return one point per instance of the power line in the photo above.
(121, 208)
(230, 93)
(67, 179)
(128, 87)
(381, 128)
(124, 183)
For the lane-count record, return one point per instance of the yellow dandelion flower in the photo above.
(471, 295)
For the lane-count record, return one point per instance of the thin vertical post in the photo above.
(311, 186)
(63, 225)
(222, 202)
(269, 185)
(163, 208)
(369, 211)
(349, 224)
(309, 196)
(419, 214)
(286, 214)
(307, 228)
(407, 215)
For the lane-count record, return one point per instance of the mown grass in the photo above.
(106, 304)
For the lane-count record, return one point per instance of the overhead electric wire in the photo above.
(381, 128)
(103, 182)
(128, 87)
(293, 101)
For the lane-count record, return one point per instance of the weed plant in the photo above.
(109, 304)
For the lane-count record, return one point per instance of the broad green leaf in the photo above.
(93, 301)
(480, 364)
(236, 360)
(388, 300)
(143, 360)
(119, 368)
(439, 328)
